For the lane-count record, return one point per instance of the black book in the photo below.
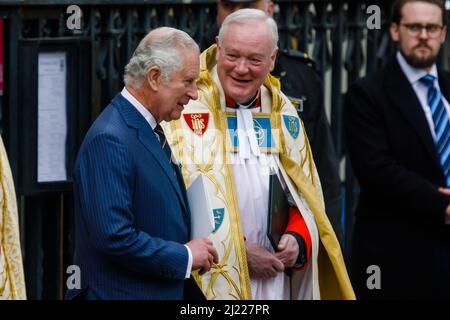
(278, 217)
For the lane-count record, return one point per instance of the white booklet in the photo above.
(202, 217)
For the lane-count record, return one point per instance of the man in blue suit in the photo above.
(132, 217)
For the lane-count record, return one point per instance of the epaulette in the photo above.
(299, 55)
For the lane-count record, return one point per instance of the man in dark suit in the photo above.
(302, 85)
(132, 216)
(398, 131)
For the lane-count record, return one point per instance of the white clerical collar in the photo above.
(142, 110)
(413, 74)
(249, 104)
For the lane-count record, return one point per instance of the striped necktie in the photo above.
(441, 124)
(162, 139)
(176, 172)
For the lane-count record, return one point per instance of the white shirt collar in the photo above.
(413, 74)
(142, 110)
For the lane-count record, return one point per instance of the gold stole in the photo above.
(12, 283)
(229, 279)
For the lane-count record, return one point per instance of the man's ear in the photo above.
(394, 31)
(443, 34)
(154, 77)
(218, 47)
(270, 9)
(273, 57)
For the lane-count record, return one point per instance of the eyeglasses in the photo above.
(414, 29)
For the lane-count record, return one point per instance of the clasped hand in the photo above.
(446, 192)
(264, 264)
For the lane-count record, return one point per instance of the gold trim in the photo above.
(334, 282)
(9, 233)
(213, 103)
(8, 278)
(235, 220)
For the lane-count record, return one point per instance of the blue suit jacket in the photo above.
(131, 215)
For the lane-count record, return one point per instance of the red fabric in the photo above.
(297, 224)
(230, 103)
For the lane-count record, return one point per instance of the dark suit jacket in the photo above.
(400, 215)
(131, 216)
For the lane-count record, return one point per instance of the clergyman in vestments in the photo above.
(241, 129)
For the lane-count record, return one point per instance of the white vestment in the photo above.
(251, 170)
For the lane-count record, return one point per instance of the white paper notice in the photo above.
(52, 118)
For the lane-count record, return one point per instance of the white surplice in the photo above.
(251, 170)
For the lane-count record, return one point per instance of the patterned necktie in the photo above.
(441, 124)
(162, 139)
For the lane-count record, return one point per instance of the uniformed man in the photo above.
(303, 86)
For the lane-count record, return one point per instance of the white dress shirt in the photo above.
(152, 122)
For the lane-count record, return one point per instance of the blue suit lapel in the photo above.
(148, 138)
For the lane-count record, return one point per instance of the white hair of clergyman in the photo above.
(163, 49)
(243, 17)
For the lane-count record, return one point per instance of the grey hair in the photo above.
(243, 17)
(161, 47)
